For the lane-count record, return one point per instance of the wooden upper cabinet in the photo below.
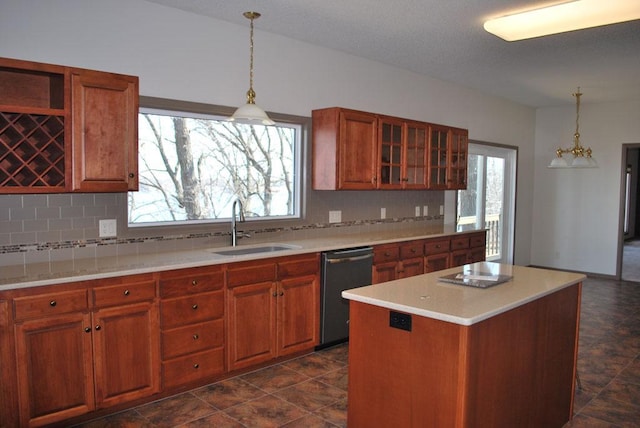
(344, 149)
(66, 130)
(365, 151)
(105, 132)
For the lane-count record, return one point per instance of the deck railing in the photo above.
(492, 224)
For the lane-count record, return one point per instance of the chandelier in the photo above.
(582, 158)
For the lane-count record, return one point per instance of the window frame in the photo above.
(164, 105)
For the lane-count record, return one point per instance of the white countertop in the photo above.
(426, 296)
(130, 264)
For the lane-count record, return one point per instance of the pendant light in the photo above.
(581, 157)
(250, 113)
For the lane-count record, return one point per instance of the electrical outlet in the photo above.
(425, 210)
(400, 320)
(108, 228)
(383, 213)
(335, 216)
(417, 211)
(441, 209)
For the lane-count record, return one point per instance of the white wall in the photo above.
(183, 56)
(576, 212)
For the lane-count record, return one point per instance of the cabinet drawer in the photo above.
(410, 250)
(299, 266)
(385, 253)
(191, 368)
(192, 309)
(50, 304)
(477, 240)
(192, 338)
(191, 282)
(436, 247)
(123, 294)
(250, 273)
(459, 243)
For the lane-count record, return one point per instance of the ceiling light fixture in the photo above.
(250, 113)
(560, 18)
(581, 157)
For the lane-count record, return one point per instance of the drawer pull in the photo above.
(131, 175)
(98, 328)
(196, 366)
(87, 329)
(194, 282)
(438, 246)
(387, 254)
(126, 292)
(413, 250)
(196, 337)
(194, 307)
(53, 303)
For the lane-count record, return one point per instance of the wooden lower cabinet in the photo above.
(469, 248)
(55, 368)
(192, 317)
(273, 309)
(90, 347)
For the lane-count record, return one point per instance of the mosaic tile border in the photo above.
(46, 246)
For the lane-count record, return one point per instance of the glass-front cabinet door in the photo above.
(458, 159)
(390, 153)
(438, 157)
(415, 173)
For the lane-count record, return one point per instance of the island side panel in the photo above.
(401, 378)
(522, 365)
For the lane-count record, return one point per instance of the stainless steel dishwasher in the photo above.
(341, 270)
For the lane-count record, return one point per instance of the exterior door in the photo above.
(489, 200)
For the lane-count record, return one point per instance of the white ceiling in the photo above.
(445, 39)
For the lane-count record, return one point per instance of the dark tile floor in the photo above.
(311, 391)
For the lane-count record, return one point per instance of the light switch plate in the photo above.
(108, 228)
(335, 216)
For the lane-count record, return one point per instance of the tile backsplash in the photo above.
(59, 227)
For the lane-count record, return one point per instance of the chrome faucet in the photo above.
(240, 215)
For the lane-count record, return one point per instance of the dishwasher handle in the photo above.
(350, 259)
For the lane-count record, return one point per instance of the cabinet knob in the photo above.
(98, 328)
(53, 303)
(87, 329)
(413, 250)
(387, 254)
(131, 175)
(275, 294)
(196, 365)
(194, 307)
(281, 293)
(438, 246)
(194, 282)
(196, 337)
(126, 292)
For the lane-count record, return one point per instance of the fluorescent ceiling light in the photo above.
(560, 18)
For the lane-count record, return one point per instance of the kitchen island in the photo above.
(423, 352)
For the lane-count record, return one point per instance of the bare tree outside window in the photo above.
(192, 167)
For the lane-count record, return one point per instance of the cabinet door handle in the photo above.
(413, 250)
(53, 303)
(87, 329)
(131, 175)
(98, 327)
(275, 294)
(194, 282)
(126, 292)
(196, 337)
(196, 365)
(194, 307)
(281, 293)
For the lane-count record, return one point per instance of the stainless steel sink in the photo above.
(267, 248)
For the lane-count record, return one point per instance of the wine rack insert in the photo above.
(32, 128)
